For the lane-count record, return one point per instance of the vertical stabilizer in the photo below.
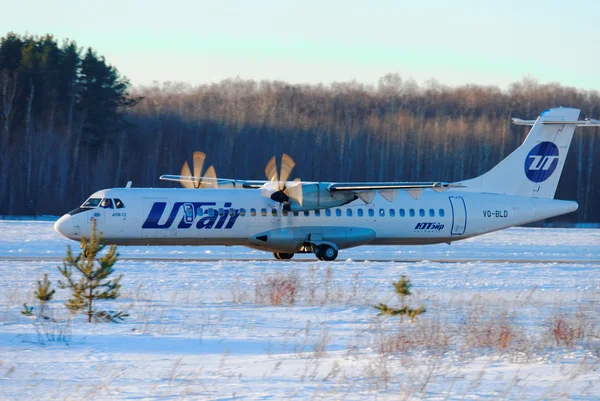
(534, 168)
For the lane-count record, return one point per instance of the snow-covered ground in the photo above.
(510, 315)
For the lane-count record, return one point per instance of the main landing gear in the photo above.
(282, 255)
(326, 252)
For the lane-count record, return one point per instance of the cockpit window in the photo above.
(106, 203)
(92, 202)
(119, 204)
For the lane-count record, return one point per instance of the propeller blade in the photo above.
(271, 170)
(389, 195)
(185, 171)
(287, 164)
(210, 179)
(198, 164)
(415, 193)
(294, 191)
(366, 196)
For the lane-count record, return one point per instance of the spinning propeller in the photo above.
(197, 180)
(279, 188)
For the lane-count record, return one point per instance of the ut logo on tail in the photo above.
(541, 161)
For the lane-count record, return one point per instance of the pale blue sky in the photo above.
(455, 42)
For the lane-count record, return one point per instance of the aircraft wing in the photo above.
(378, 186)
(358, 187)
(220, 182)
(389, 190)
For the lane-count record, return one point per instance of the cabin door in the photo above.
(459, 215)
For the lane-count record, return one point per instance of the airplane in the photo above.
(288, 217)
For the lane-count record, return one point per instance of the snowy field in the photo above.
(510, 315)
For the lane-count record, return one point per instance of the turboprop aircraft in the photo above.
(288, 217)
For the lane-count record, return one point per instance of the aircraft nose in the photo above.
(64, 226)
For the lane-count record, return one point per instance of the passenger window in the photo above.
(211, 212)
(392, 213)
(431, 213)
(274, 212)
(307, 213)
(119, 204)
(221, 212)
(263, 212)
(442, 213)
(106, 203)
(296, 214)
(402, 213)
(381, 212)
(371, 213)
(349, 212)
(252, 212)
(284, 212)
(422, 212)
(359, 212)
(338, 212)
(327, 212)
(412, 213)
(242, 212)
(317, 213)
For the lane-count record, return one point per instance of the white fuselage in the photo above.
(184, 217)
(518, 190)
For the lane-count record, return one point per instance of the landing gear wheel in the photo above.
(282, 255)
(326, 252)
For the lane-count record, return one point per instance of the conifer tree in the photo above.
(402, 288)
(94, 283)
(43, 294)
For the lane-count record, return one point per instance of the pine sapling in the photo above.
(402, 288)
(43, 294)
(93, 283)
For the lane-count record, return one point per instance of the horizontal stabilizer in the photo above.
(589, 122)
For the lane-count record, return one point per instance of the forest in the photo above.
(71, 124)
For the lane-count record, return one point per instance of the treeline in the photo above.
(61, 143)
(62, 110)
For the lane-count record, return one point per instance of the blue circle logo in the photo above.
(541, 161)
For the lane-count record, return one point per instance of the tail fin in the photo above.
(534, 168)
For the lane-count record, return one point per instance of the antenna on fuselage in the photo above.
(128, 184)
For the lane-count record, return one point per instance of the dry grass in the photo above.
(277, 289)
(494, 331)
(315, 286)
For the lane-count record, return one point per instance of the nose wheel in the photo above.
(326, 252)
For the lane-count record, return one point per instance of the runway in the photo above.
(306, 259)
(36, 241)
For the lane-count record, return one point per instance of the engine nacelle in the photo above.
(292, 239)
(317, 196)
